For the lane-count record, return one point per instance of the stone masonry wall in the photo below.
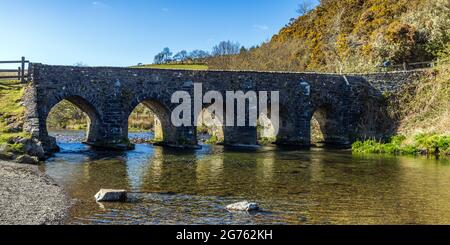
(109, 95)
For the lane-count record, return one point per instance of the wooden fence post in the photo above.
(22, 77)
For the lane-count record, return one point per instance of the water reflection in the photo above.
(293, 186)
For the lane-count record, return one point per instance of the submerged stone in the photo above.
(108, 195)
(243, 206)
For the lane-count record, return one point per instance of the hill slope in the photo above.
(352, 35)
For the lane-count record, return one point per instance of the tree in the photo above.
(198, 54)
(226, 48)
(181, 56)
(159, 59)
(167, 54)
(163, 57)
(304, 8)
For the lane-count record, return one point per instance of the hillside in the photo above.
(352, 36)
(362, 36)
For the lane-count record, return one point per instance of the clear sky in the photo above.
(127, 32)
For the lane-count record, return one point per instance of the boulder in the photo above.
(107, 195)
(26, 159)
(31, 147)
(34, 148)
(243, 206)
(6, 156)
(14, 127)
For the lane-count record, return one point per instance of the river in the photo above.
(314, 186)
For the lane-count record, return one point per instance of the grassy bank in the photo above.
(422, 144)
(11, 115)
(421, 112)
(424, 106)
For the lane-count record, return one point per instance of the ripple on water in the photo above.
(292, 187)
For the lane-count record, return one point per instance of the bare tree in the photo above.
(198, 55)
(226, 48)
(304, 8)
(163, 57)
(181, 56)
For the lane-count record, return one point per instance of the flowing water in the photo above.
(292, 186)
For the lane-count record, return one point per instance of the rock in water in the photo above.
(243, 206)
(105, 195)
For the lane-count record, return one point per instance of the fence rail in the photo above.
(21, 73)
(408, 66)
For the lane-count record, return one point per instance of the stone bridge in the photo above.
(109, 95)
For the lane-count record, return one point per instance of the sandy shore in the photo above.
(27, 197)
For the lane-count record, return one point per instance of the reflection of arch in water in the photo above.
(265, 167)
(169, 170)
(209, 171)
(152, 173)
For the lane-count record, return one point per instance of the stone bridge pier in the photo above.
(109, 95)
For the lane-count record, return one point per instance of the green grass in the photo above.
(422, 144)
(214, 140)
(11, 112)
(266, 141)
(176, 66)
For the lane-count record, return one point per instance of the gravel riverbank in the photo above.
(27, 197)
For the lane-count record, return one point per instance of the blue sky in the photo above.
(126, 32)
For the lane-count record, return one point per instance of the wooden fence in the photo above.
(20, 73)
(407, 66)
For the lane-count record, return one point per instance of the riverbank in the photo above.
(422, 144)
(421, 119)
(30, 198)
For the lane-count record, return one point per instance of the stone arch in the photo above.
(164, 131)
(289, 129)
(330, 124)
(94, 133)
(320, 124)
(162, 107)
(212, 123)
(266, 129)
